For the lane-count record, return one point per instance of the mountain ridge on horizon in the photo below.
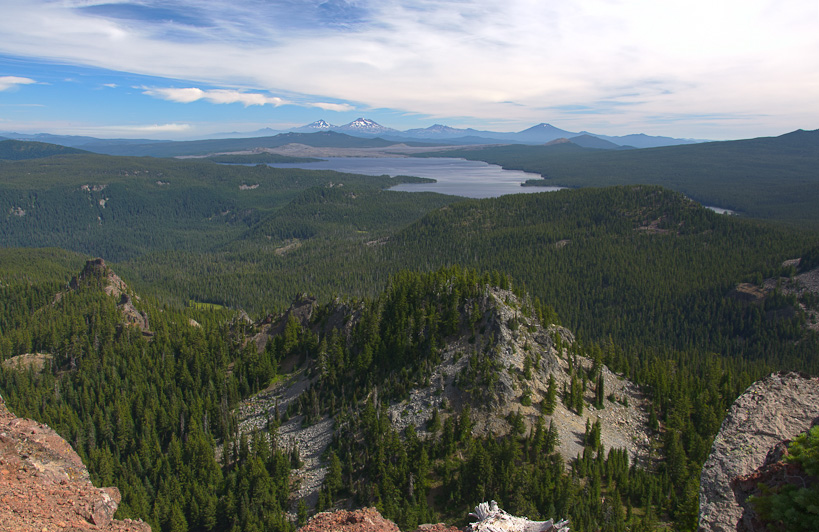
(367, 128)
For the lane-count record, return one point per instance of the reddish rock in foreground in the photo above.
(363, 520)
(44, 485)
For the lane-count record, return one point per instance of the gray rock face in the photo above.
(776, 408)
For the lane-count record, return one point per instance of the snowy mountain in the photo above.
(365, 127)
(318, 125)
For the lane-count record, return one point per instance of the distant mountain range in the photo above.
(539, 134)
(366, 129)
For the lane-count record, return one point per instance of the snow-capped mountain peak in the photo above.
(364, 125)
(320, 124)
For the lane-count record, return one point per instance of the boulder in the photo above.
(770, 412)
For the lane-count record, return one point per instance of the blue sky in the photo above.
(714, 69)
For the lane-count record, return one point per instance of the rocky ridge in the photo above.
(45, 487)
(518, 337)
(516, 340)
(769, 413)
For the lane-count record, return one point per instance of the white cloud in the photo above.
(153, 128)
(218, 96)
(226, 96)
(337, 107)
(10, 82)
(62, 127)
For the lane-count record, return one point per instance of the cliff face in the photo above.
(772, 410)
(524, 354)
(45, 486)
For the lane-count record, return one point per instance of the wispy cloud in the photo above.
(138, 129)
(218, 96)
(337, 107)
(228, 96)
(10, 82)
(168, 130)
(158, 128)
(154, 128)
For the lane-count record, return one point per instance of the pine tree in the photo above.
(550, 401)
(599, 393)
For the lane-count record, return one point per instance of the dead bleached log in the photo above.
(490, 518)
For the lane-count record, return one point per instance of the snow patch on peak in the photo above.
(363, 123)
(320, 124)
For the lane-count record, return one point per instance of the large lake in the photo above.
(458, 177)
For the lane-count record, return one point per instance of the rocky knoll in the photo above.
(518, 341)
(771, 411)
(97, 271)
(44, 485)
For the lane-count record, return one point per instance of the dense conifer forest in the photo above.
(645, 278)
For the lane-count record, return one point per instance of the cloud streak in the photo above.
(152, 128)
(227, 96)
(217, 96)
(336, 107)
(11, 82)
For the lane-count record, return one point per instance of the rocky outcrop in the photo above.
(771, 411)
(775, 474)
(45, 486)
(339, 316)
(96, 271)
(525, 354)
(34, 361)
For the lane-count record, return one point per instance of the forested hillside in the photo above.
(641, 265)
(773, 178)
(17, 150)
(122, 207)
(145, 380)
(204, 147)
